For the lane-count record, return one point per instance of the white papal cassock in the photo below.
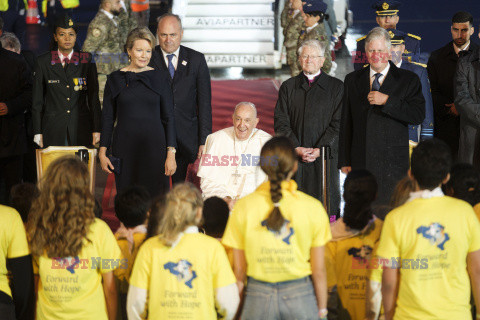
(230, 167)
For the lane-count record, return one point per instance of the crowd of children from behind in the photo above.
(179, 257)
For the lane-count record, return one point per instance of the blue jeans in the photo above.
(287, 300)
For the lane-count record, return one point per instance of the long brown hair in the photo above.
(278, 159)
(61, 215)
(179, 211)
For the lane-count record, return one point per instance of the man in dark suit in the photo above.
(441, 71)
(379, 103)
(15, 97)
(66, 109)
(190, 81)
(308, 111)
(467, 102)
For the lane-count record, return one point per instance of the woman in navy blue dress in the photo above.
(140, 100)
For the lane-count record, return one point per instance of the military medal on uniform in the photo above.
(80, 80)
(76, 88)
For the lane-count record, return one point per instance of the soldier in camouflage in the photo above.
(106, 37)
(293, 26)
(314, 29)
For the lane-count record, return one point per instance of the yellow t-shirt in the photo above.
(432, 237)
(71, 288)
(181, 281)
(348, 261)
(284, 255)
(13, 242)
(122, 274)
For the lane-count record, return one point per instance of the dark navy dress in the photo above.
(142, 105)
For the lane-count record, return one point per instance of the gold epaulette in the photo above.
(419, 64)
(360, 39)
(414, 36)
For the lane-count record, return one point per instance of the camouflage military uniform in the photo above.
(292, 34)
(106, 41)
(285, 15)
(318, 33)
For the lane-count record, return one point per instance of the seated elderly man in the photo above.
(230, 164)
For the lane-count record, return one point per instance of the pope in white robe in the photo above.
(230, 164)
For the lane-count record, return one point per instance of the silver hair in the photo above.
(379, 33)
(312, 44)
(251, 105)
(10, 41)
(166, 15)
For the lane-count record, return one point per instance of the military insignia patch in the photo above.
(96, 33)
(385, 6)
(391, 34)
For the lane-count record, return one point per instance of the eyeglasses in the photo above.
(310, 57)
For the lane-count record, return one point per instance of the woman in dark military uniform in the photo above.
(66, 109)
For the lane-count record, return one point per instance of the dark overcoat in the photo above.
(376, 137)
(65, 100)
(467, 101)
(310, 117)
(441, 72)
(16, 93)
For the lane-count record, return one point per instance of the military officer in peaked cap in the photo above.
(425, 130)
(387, 18)
(65, 108)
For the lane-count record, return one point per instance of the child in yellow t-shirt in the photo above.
(278, 236)
(181, 273)
(131, 207)
(354, 239)
(74, 253)
(428, 244)
(15, 258)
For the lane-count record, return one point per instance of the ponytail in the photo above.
(275, 219)
(278, 160)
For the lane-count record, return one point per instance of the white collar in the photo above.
(175, 53)
(464, 48)
(310, 28)
(312, 76)
(399, 64)
(108, 14)
(61, 56)
(426, 194)
(383, 72)
(188, 230)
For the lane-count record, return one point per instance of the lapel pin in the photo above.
(184, 62)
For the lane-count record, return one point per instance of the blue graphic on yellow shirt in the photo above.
(435, 233)
(363, 253)
(284, 233)
(182, 270)
(68, 263)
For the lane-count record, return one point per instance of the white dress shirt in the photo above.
(174, 59)
(62, 57)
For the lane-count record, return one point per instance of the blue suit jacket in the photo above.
(426, 131)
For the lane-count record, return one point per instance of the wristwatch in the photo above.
(172, 149)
